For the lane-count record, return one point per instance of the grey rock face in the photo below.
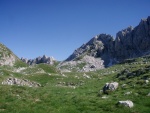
(92, 64)
(38, 60)
(129, 43)
(133, 42)
(85, 64)
(6, 56)
(99, 46)
(20, 82)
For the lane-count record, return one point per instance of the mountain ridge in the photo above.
(129, 43)
(103, 48)
(38, 60)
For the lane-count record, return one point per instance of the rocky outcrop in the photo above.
(92, 64)
(20, 82)
(85, 64)
(38, 60)
(129, 43)
(6, 56)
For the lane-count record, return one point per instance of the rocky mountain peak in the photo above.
(129, 43)
(124, 32)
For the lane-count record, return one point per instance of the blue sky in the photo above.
(32, 28)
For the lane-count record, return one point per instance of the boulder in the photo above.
(146, 81)
(86, 76)
(148, 94)
(128, 93)
(110, 86)
(127, 103)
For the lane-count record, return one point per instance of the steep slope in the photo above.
(129, 43)
(99, 46)
(133, 42)
(7, 57)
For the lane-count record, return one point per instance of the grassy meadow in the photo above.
(74, 93)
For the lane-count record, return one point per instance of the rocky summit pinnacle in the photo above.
(129, 43)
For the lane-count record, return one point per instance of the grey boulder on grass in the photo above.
(110, 87)
(127, 103)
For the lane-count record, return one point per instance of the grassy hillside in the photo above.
(75, 93)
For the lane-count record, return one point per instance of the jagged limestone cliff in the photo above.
(129, 43)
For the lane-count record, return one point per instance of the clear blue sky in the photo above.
(31, 28)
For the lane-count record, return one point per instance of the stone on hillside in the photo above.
(148, 94)
(146, 81)
(20, 82)
(104, 97)
(128, 93)
(127, 103)
(86, 76)
(123, 85)
(64, 75)
(110, 86)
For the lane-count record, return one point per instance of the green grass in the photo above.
(82, 96)
(47, 68)
(19, 63)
